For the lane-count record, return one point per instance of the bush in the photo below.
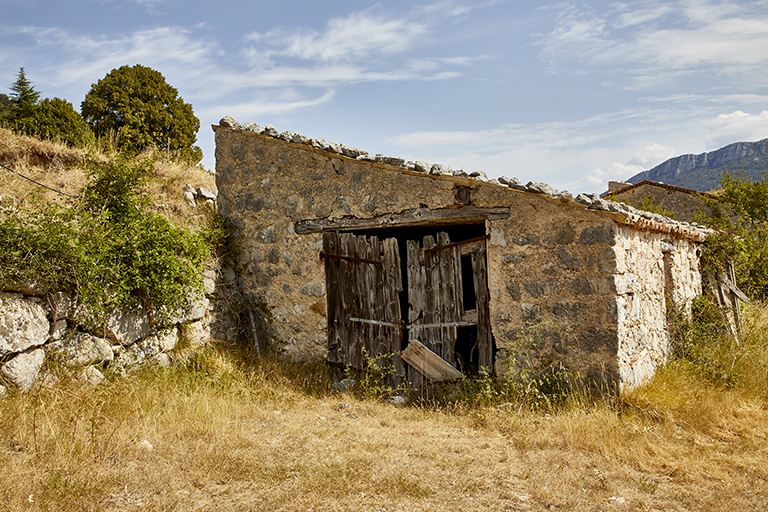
(704, 339)
(57, 120)
(108, 248)
(145, 112)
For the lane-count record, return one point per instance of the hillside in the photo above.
(702, 172)
(229, 430)
(64, 169)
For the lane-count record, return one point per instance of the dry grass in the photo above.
(63, 168)
(230, 436)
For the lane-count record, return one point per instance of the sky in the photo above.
(569, 93)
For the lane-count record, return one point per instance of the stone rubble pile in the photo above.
(35, 327)
(192, 195)
(590, 201)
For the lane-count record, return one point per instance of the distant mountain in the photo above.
(702, 172)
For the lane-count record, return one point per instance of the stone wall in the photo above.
(589, 275)
(36, 326)
(653, 270)
(266, 186)
(551, 265)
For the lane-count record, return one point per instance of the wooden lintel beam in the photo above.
(418, 217)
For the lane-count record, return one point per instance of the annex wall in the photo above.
(551, 269)
(653, 272)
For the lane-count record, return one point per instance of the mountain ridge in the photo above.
(702, 172)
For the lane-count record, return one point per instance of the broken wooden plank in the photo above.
(335, 306)
(417, 298)
(482, 300)
(429, 364)
(731, 285)
(417, 217)
(450, 295)
(392, 286)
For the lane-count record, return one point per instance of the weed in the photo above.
(375, 378)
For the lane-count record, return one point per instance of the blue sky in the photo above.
(573, 94)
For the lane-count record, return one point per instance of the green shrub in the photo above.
(57, 120)
(742, 236)
(108, 248)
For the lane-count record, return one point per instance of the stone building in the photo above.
(686, 205)
(364, 254)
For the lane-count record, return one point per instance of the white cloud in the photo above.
(579, 156)
(641, 15)
(654, 43)
(354, 37)
(80, 60)
(263, 105)
(357, 36)
(737, 127)
(361, 47)
(191, 58)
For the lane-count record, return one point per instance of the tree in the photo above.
(53, 119)
(24, 97)
(138, 106)
(56, 119)
(741, 237)
(5, 107)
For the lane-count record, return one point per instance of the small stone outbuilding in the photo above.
(362, 254)
(686, 204)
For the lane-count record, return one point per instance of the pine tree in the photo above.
(5, 107)
(24, 97)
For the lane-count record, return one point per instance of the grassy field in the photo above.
(224, 432)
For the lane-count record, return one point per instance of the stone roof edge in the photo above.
(619, 212)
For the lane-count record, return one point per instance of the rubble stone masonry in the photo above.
(584, 281)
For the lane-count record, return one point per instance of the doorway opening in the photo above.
(390, 287)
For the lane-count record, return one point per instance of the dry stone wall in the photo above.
(52, 325)
(653, 271)
(551, 269)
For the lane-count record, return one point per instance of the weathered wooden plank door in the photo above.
(363, 283)
(435, 296)
(477, 251)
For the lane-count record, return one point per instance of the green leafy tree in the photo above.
(742, 237)
(56, 119)
(143, 110)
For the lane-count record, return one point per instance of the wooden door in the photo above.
(363, 283)
(436, 297)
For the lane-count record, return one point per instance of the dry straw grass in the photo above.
(63, 168)
(229, 433)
